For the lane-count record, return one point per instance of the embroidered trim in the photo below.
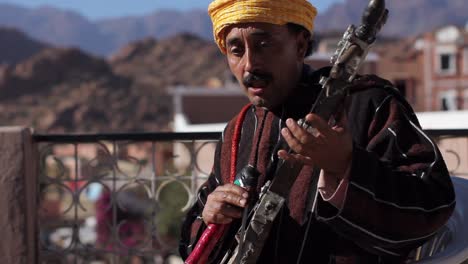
(416, 208)
(391, 241)
(236, 140)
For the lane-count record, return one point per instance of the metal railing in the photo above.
(453, 144)
(120, 198)
(117, 198)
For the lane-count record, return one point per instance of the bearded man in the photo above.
(382, 188)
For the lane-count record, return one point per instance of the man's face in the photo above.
(266, 60)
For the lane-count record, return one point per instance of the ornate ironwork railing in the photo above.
(117, 198)
(120, 198)
(453, 144)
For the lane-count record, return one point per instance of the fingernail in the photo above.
(284, 131)
(245, 195)
(289, 121)
(243, 201)
(280, 154)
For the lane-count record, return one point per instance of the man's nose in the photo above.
(252, 61)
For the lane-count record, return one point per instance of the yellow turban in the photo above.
(279, 12)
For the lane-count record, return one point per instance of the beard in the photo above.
(260, 102)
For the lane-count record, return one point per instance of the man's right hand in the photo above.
(224, 204)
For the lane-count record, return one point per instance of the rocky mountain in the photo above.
(184, 59)
(56, 26)
(67, 28)
(159, 24)
(67, 90)
(15, 46)
(406, 17)
(104, 37)
(70, 29)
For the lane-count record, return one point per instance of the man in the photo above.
(383, 188)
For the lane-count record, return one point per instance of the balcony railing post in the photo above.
(18, 196)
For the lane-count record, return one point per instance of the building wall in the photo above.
(415, 64)
(451, 84)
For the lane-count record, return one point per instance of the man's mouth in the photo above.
(257, 91)
(258, 87)
(257, 80)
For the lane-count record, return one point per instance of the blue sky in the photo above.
(96, 9)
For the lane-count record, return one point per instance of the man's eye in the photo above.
(235, 50)
(264, 44)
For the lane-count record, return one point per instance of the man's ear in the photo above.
(302, 40)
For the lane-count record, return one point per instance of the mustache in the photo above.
(251, 78)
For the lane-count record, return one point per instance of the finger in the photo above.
(224, 209)
(210, 217)
(220, 212)
(282, 154)
(338, 129)
(298, 132)
(292, 142)
(233, 189)
(303, 159)
(231, 211)
(318, 123)
(221, 219)
(223, 197)
(312, 130)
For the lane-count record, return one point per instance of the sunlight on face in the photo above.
(266, 60)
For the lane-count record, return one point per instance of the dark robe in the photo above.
(399, 191)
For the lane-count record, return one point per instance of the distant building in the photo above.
(431, 70)
(327, 43)
(198, 109)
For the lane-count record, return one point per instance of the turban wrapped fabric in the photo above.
(224, 13)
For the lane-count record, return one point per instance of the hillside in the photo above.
(406, 17)
(15, 46)
(180, 60)
(104, 37)
(67, 90)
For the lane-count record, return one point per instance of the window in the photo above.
(448, 100)
(465, 99)
(446, 59)
(447, 63)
